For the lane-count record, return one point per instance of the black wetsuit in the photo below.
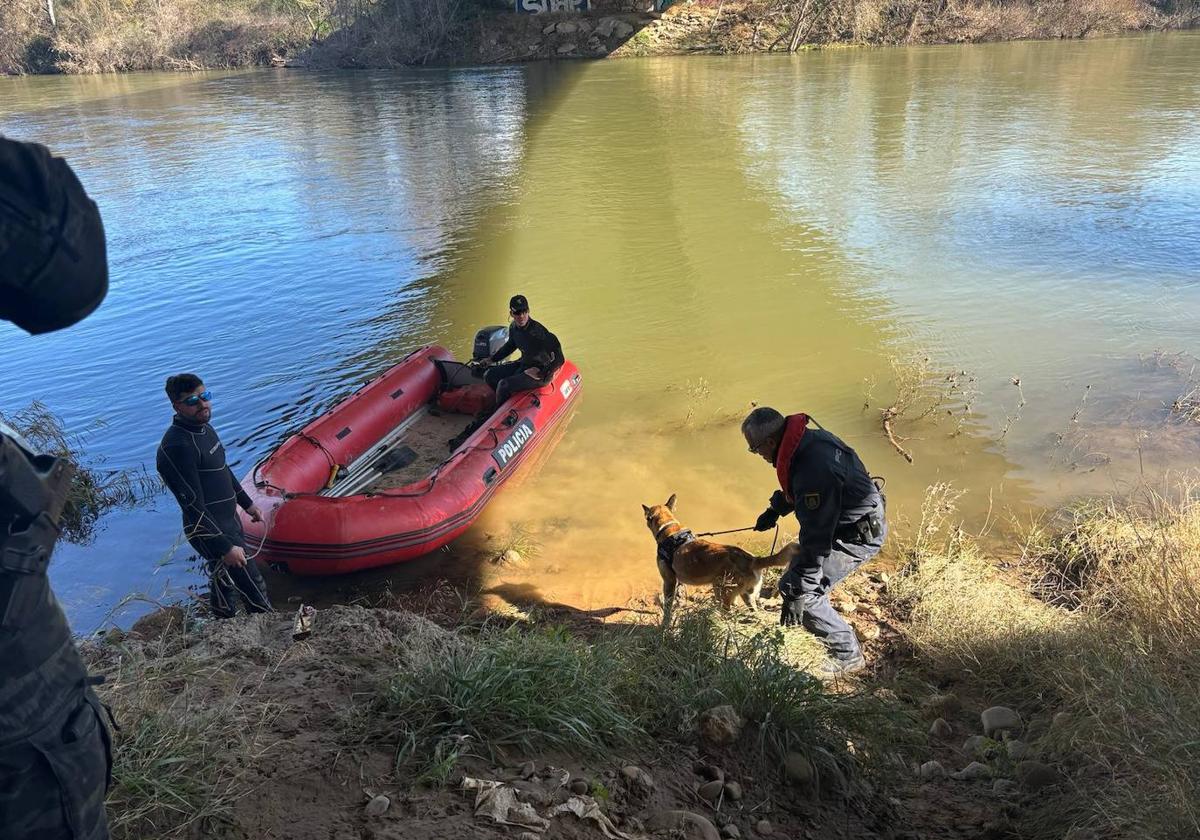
(539, 348)
(191, 461)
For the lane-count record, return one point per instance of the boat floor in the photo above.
(427, 437)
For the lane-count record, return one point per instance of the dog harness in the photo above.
(671, 544)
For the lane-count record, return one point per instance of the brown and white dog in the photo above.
(730, 570)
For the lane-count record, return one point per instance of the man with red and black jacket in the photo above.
(841, 516)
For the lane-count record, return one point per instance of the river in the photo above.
(700, 233)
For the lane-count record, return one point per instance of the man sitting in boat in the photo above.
(541, 354)
(541, 357)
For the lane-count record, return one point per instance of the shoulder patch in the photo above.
(812, 501)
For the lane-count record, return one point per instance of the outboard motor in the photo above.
(487, 341)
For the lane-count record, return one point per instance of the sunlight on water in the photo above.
(700, 233)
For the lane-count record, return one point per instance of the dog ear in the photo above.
(671, 503)
(645, 510)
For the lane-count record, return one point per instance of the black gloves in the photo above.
(793, 584)
(779, 503)
(766, 520)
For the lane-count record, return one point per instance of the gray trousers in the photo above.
(820, 618)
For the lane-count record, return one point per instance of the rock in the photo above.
(548, 28)
(637, 777)
(711, 791)
(733, 791)
(942, 705)
(511, 557)
(605, 26)
(1017, 750)
(941, 729)
(567, 26)
(688, 824)
(721, 725)
(764, 828)
(568, 47)
(799, 769)
(1061, 721)
(1000, 719)
(973, 772)
(932, 771)
(709, 772)
(845, 607)
(579, 787)
(870, 633)
(526, 770)
(1034, 775)
(978, 746)
(622, 29)
(731, 831)
(378, 806)
(1004, 787)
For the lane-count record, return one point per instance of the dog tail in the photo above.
(781, 558)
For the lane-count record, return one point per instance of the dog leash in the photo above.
(730, 531)
(738, 531)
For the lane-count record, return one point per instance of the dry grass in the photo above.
(94, 490)
(1122, 657)
(188, 734)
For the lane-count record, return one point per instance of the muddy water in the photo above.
(700, 233)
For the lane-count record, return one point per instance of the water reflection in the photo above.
(699, 233)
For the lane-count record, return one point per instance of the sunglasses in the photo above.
(194, 399)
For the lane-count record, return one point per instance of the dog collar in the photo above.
(664, 525)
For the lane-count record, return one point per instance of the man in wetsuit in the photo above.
(541, 354)
(55, 752)
(842, 524)
(191, 461)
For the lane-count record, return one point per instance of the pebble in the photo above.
(689, 824)
(977, 745)
(932, 771)
(378, 806)
(941, 729)
(798, 768)
(733, 791)
(709, 772)
(1034, 775)
(942, 705)
(999, 719)
(1004, 787)
(711, 791)
(764, 828)
(845, 607)
(972, 772)
(721, 725)
(1017, 750)
(579, 787)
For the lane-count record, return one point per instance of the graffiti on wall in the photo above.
(537, 7)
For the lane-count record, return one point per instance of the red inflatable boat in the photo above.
(373, 481)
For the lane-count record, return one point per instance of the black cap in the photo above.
(518, 303)
(53, 265)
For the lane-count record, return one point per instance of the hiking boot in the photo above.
(834, 668)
